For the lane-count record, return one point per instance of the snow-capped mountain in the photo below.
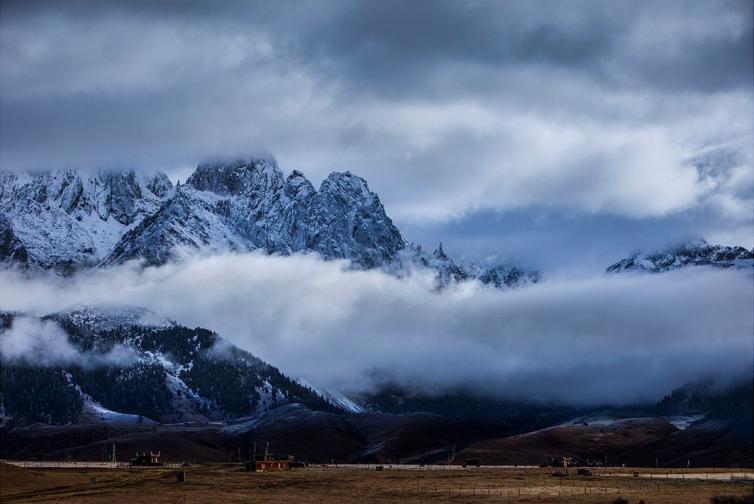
(64, 220)
(248, 205)
(133, 362)
(501, 276)
(693, 253)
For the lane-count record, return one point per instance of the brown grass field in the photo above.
(228, 483)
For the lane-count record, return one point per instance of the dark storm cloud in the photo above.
(446, 107)
(401, 47)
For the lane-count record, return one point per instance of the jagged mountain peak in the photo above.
(248, 205)
(107, 193)
(497, 274)
(348, 182)
(440, 254)
(159, 184)
(696, 252)
(236, 177)
(297, 185)
(66, 219)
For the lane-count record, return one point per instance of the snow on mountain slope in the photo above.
(64, 220)
(96, 413)
(693, 253)
(134, 362)
(346, 207)
(92, 412)
(247, 205)
(680, 422)
(336, 398)
(501, 276)
(12, 251)
(104, 318)
(189, 220)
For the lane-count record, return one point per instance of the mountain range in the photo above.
(65, 220)
(692, 253)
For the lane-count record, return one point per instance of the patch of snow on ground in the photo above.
(96, 411)
(682, 422)
(111, 317)
(334, 397)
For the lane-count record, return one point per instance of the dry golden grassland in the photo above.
(228, 483)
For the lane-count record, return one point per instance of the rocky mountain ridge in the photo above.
(131, 365)
(65, 220)
(693, 253)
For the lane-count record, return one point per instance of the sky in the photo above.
(558, 134)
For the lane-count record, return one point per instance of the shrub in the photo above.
(732, 499)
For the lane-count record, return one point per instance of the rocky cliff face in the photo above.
(248, 205)
(65, 219)
(693, 253)
(12, 251)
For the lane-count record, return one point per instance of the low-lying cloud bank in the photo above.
(608, 339)
(44, 342)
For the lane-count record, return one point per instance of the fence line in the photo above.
(718, 474)
(51, 464)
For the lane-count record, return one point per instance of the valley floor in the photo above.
(225, 483)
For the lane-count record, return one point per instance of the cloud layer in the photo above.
(605, 339)
(43, 342)
(448, 108)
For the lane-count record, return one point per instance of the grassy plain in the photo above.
(227, 483)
